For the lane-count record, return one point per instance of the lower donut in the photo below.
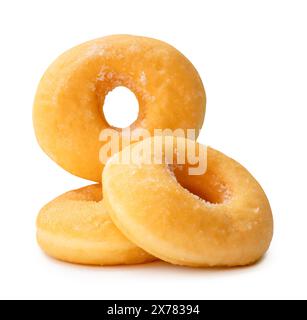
(76, 228)
(220, 218)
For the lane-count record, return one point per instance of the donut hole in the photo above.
(207, 186)
(120, 108)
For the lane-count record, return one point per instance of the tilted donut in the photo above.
(68, 115)
(76, 228)
(220, 218)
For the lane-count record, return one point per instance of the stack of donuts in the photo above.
(141, 212)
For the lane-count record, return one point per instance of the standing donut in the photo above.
(68, 116)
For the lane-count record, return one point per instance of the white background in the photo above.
(252, 56)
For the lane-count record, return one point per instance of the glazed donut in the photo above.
(67, 112)
(76, 228)
(220, 218)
